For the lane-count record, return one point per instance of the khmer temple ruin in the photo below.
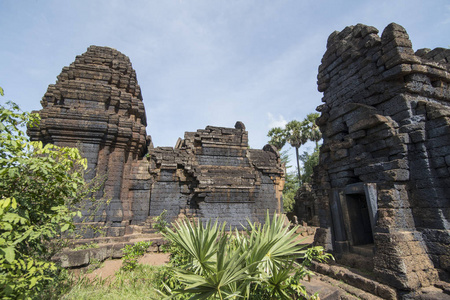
(380, 194)
(306, 205)
(96, 105)
(383, 181)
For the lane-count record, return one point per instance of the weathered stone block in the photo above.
(77, 258)
(400, 142)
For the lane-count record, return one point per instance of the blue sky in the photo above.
(203, 62)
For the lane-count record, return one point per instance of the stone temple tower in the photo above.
(96, 105)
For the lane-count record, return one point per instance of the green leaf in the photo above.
(4, 203)
(13, 203)
(33, 282)
(65, 227)
(9, 254)
(30, 264)
(38, 187)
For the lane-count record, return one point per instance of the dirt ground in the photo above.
(110, 267)
(306, 240)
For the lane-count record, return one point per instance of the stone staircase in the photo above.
(147, 228)
(111, 247)
(105, 248)
(360, 284)
(334, 281)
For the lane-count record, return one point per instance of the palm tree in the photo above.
(296, 133)
(277, 137)
(297, 136)
(313, 130)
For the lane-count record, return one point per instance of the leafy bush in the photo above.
(131, 254)
(165, 280)
(160, 222)
(257, 264)
(290, 189)
(38, 184)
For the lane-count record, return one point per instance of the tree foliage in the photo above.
(309, 162)
(290, 183)
(38, 184)
(289, 191)
(277, 137)
(312, 129)
(297, 134)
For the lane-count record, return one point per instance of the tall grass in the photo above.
(139, 283)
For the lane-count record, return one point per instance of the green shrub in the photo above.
(38, 184)
(160, 223)
(131, 254)
(165, 280)
(257, 264)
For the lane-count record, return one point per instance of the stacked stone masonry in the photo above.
(383, 180)
(96, 105)
(306, 205)
(214, 174)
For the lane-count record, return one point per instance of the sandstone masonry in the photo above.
(214, 175)
(96, 105)
(306, 205)
(383, 181)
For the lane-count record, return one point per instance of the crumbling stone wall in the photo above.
(306, 206)
(212, 174)
(386, 149)
(96, 105)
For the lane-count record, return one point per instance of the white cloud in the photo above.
(278, 121)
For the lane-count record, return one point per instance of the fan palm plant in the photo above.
(237, 265)
(199, 241)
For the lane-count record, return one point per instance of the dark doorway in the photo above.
(309, 213)
(358, 212)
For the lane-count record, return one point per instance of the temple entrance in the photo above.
(309, 213)
(353, 210)
(358, 211)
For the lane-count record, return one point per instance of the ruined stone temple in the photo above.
(383, 181)
(306, 205)
(96, 105)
